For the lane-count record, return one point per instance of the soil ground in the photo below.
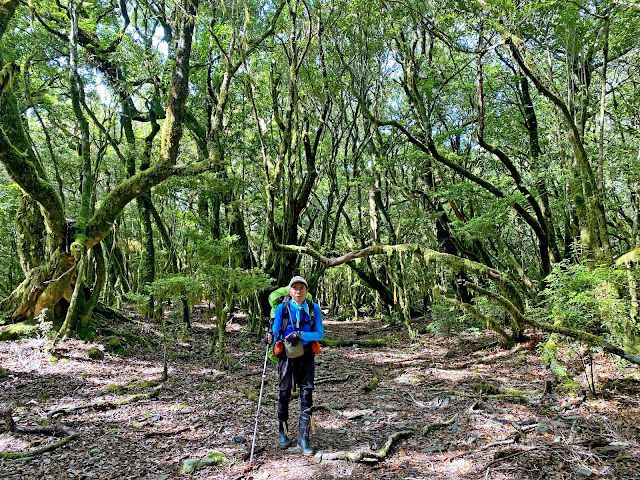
(493, 433)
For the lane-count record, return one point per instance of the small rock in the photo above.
(585, 472)
(162, 477)
(542, 429)
(190, 464)
(186, 411)
(239, 439)
(613, 447)
(559, 424)
(155, 418)
(455, 428)
(94, 451)
(212, 458)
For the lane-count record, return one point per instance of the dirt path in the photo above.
(492, 433)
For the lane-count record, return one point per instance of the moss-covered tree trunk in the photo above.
(51, 284)
(593, 225)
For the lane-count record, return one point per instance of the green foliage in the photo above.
(10, 272)
(586, 299)
(177, 286)
(446, 319)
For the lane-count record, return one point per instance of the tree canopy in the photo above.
(405, 156)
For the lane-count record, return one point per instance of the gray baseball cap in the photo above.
(298, 279)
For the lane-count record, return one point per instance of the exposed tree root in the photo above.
(382, 453)
(491, 390)
(499, 355)
(247, 393)
(362, 455)
(557, 369)
(438, 425)
(56, 428)
(332, 408)
(336, 379)
(102, 406)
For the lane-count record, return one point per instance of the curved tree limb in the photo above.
(335, 261)
(585, 337)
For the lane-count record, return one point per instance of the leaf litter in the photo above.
(463, 417)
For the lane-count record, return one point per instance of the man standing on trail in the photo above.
(297, 330)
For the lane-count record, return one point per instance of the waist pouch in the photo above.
(278, 349)
(294, 351)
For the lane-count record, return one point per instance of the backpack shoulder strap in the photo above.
(312, 315)
(284, 300)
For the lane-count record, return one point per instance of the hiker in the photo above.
(295, 335)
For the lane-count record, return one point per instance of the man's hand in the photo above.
(268, 337)
(293, 337)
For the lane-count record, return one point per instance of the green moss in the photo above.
(86, 333)
(568, 386)
(95, 353)
(130, 337)
(3, 372)
(18, 330)
(114, 345)
(148, 384)
(117, 389)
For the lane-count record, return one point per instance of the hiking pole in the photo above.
(255, 428)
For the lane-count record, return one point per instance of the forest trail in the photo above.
(459, 397)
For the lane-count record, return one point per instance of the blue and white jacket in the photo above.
(299, 320)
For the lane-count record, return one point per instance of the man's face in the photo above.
(298, 292)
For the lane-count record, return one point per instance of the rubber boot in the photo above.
(303, 434)
(283, 440)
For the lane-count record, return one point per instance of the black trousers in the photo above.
(296, 372)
